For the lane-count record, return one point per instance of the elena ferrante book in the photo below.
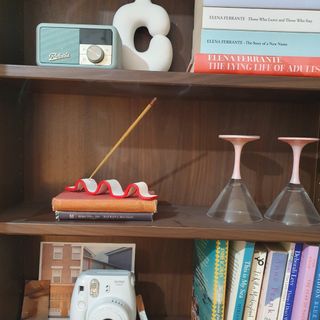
(306, 274)
(259, 43)
(272, 282)
(273, 4)
(261, 19)
(209, 279)
(239, 266)
(257, 64)
(255, 282)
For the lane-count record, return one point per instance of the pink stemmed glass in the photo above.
(293, 206)
(235, 204)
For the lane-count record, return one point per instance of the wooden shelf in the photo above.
(148, 83)
(170, 222)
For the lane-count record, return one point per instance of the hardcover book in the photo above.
(81, 201)
(255, 281)
(314, 313)
(257, 64)
(209, 279)
(305, 281)
(293, 281)
(261, 19)
(290, 248)
(239, 266)
(103, 216)
(272, 282)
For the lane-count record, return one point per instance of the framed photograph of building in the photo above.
(62, 262)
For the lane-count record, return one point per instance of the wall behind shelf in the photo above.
(175, 148)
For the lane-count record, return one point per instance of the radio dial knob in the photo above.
(95, 54)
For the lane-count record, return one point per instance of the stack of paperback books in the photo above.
(83, 206)
(257, 37)
(264, 281)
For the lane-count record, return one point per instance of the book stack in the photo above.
(83, 206)
(257, 37)
(262, 281)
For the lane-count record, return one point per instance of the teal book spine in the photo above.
(244, 280)
(260, 43)
(209, 279)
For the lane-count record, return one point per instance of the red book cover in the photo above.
(258, 65)
(82, 201)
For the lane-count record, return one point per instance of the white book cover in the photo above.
(290, 248)
(255, 282)
(261, 19)
(269, 301)
(239, 264)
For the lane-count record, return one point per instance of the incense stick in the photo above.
(124, 136)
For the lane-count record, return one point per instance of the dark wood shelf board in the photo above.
(170, 222)
(148, 83)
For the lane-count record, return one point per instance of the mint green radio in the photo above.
(78, 45)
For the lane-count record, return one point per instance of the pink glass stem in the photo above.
(297, 144)
(238, 143)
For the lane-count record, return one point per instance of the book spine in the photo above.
(314, 313)
(104, 216)
(293, 281)
(260, 43)
(273, 4)
(269, 304)
(260, 19)
(256, 64)
(244, 279)
(279, 261)
(220, 276)
(255, 283)
(290, 249)
(305, 282)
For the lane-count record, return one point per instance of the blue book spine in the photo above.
(315, 297)
(260, 43)
(293, 281)
(273, 4)
(244, 280)
(277, 271)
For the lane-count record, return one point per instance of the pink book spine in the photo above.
(303, 293)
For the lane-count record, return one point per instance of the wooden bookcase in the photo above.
(57, 123)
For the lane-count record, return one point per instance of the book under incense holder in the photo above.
(235, 204)
(293, 206)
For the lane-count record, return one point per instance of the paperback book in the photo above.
(209, 279)
(273, 4)
(305, 281)
(272, 282)
(255, 281)
(314, 313)
(260, 19)
(239, 266)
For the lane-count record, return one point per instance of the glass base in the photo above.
(235, 205)
(293, 207)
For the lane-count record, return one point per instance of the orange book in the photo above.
(82, 201)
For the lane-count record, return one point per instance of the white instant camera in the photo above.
(104, 295)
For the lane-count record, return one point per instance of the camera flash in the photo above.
(94, 288)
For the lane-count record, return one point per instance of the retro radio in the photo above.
(78, 45)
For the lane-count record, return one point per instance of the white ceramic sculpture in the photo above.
(143, 13)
